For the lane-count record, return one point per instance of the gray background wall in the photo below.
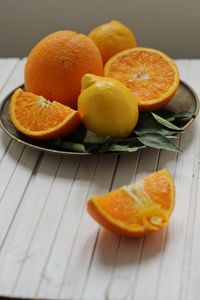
(169, 25)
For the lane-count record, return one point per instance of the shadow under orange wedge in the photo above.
(41, 119)
(137, 209)
(151, 75)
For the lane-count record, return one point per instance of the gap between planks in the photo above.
(121, 244)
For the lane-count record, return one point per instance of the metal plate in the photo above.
(185, 99)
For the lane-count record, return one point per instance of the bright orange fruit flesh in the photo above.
(137, 209)
(41, 119)
(151, 76)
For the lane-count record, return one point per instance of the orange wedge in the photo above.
(137, 209)
(151, 75)
(41, 119)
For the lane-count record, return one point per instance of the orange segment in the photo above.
(151, 76)
(159, 189)
(136, 209)
(41, 119)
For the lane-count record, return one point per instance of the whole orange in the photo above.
(56, 64)
(111, 38)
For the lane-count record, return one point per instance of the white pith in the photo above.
(44, 102)
(136, 192)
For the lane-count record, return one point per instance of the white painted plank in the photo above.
(191, 267)
(6, 68)
(107, 243)
(15, 76)
(77, 268)
(10, 77)
(152, 251)
(9, 163)
(101, 264)
(15, 252)
(176, 243)
(151, 255)
(59, 256)
(184, 68)
(28, 279)
(148, 274)
(60, 253)
(4, 144)
(127, 270)
(129, 170)
(10, 205)
(2, 60)
(10, 155)
(130, 252)
(16, 165)
(26, 221)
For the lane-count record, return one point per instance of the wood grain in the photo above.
(50, 248)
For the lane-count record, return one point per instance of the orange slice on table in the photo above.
(151, 76)
(137, 209)
(42, 119)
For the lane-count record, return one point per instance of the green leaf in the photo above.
(128, 142)
(93, 138)
(148, 124)
(130, 139)
(165, 122)
(153, 130)
(158, 141)
(57, 142)
(76, 147)
(186, 115)
(166, 114)
(103, 147)
(77, 136)
(159, 130)
(121, 148)
(171, 116)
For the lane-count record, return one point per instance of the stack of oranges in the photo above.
(101, 80)
(137, 78)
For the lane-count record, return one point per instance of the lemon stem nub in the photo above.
(88, 80)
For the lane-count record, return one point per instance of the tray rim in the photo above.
(62, 152)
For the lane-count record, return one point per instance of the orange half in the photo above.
(151, 75)
(41, 119)
(137, 209)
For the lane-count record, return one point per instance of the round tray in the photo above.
(185, 99)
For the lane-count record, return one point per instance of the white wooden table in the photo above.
(51, 248)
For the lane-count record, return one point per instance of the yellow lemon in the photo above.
(107, 107)
(111, 38)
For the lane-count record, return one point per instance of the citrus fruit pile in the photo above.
(103, 82)
(62, 68)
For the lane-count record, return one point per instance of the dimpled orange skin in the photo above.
(55, 66)
(112, 38)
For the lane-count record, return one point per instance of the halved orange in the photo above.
(41, 119)
(151, 75)
(136, 209)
